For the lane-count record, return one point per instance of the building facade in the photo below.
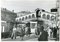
(7, 19)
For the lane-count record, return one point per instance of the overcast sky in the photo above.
(31, 5)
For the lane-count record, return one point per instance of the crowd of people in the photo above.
(20, 31)
(41, 32)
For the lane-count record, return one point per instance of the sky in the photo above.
(28, 5)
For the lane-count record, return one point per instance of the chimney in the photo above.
(3, 8)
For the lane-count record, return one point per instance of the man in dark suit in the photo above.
(43, 36)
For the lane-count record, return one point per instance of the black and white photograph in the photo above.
(30, 20)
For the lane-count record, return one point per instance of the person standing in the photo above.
(26, 31)
(43, 36)
(22, 33)
(13, 32)
(29, 31)
(36, 33)
(49, 32)
(55, 32)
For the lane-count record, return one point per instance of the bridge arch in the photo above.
(29, 16)
(44, 16)
(52, 17)
(22, 18)
(33, 16)
(26, 17)
(48, 16)
(19, 19)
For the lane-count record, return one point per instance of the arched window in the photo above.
(48, 16)
(44, 16)
(29, 16)
(33, 15)
(52, 17)
(23, 18)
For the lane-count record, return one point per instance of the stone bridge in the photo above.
(45, 16)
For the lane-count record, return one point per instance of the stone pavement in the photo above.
(36, 39)
(32, 36)
(26, 38)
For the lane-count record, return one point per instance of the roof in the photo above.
(25, 12)
(6, 10)
(45, 11)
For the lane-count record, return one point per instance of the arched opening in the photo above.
(29, 16)
(44, 16)
(37, 12)
(41, 22)
(52, 17)
(48, 16)
(22, 18)
(33, 16)
(26, 17)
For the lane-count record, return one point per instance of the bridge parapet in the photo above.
(26, 17)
